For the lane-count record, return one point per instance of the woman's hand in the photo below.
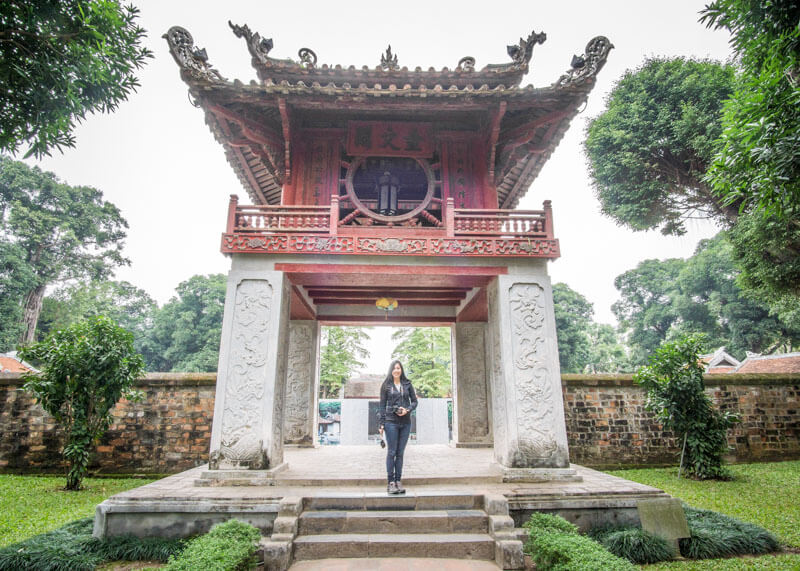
(402, 411)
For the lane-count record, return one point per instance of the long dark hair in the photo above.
(390, 378)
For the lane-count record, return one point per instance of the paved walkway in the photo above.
(394, 564)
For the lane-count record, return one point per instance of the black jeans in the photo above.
(396, 440)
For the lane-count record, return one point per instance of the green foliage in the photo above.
(649, 151)
(87, 368)
(716, 535)
(132, 308)
(50, 232)
(228, 546)
(767, 250)
(634, 544)
(646, 307)
(185, 333)
(59, 61)
(31, 505)
(341, 351)
(606, 353)
(674, 383)
(555, 545)
(758, 159)
(72, 548)
(573, 314)
(710, 300)
(661, 300)
(542, 522)
(425, 354)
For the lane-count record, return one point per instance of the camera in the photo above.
(396, 408)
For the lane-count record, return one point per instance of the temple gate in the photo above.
(386, 182)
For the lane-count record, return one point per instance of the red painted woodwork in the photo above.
(299, 308)
(476, 309)
(389, 139)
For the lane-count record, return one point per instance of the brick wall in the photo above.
(607, 425)
(169, 431)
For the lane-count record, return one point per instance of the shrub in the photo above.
(716, 535)
(72, 548)
(228, 546)
(673, 380)
(555, 545)
(552, 523)
(634, 544)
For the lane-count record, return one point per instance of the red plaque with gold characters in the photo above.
(389, 139)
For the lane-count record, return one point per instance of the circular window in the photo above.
(390, 189)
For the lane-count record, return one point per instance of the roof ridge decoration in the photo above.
(389, 61)
(523, 52)
(192, 61)
(586, 66)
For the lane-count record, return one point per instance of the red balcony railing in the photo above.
(327, 220)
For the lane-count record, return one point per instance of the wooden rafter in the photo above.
(287, 137)
(494, 133)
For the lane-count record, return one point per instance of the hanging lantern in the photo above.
(387, 304)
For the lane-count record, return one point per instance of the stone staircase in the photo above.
(450, 525)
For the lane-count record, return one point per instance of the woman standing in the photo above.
(398, 399)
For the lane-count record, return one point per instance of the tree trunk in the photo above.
(33, 307)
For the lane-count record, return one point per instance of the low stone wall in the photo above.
(607, 424)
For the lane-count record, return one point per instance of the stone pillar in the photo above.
(300, 407)
(528, 410)
(248, 413)
(471, 397)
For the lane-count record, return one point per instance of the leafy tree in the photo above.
(185, 333)
(646, 308)
(342, 349)
(16, 279)
(606, 353)
(674, 383)
(51, 232)
(648, 153)
(573, 314)
(62, 59)
(132, 308)
(425, 354)
(712, 302)
(87, 368)
(758, 163)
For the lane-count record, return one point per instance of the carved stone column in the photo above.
(528, 411)
(248, 412)
(300, 406)
(472, 419)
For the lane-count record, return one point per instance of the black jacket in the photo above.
(391, 398)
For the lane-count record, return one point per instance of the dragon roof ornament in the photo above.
(193, 61)
(586, 66)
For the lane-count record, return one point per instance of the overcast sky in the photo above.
(158, 162)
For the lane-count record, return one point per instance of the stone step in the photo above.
(381, 501)
(383, 521)
(358, 545)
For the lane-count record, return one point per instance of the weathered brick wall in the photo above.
(168, 431)
(607, 425)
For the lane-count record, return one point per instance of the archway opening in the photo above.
(354, 362)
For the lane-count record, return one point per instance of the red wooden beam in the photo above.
(394, 321)
(287, 134)
(395, 269)
(371, 301)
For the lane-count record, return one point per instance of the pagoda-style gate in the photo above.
(388, 182)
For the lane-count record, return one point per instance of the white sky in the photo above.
(158, 162)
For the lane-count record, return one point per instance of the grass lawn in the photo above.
(30, 505)
(765, 494)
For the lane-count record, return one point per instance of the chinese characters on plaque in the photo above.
(389, 139)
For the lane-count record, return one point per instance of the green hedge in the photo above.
(555, 545)
(229, 546)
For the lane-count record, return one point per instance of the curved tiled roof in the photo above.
(250, 120)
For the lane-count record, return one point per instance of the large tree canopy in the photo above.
(648, 153)
(661, 300)
(573, 314)
(758, 164)
(62, 59)
(185, 333)
(50, 232)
